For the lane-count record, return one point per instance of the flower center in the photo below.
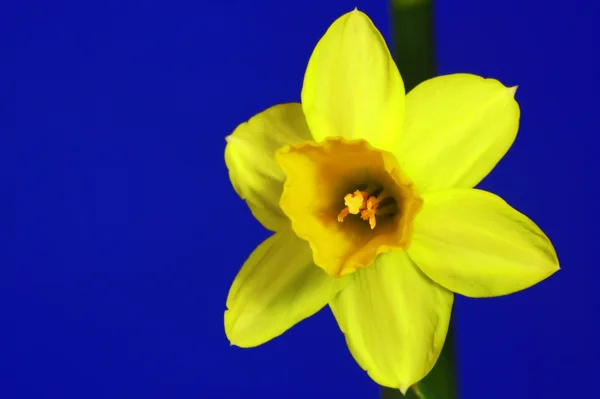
(367, 203)
(349, 201)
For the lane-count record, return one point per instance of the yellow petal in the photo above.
(457, 128)
(277, 287)
(395, 320)
(250, 158)
(352, 88)
(475, 244)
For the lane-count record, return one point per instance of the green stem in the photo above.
(413, 42)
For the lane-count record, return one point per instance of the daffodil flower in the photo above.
(369, 193)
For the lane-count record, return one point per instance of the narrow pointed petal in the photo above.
(475, 244)
(395, 320)
(250, 158)
(277, 287)
(457, 128)
(352, 87)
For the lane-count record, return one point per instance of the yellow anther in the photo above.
(343, 214)
(355, 202)
(361, 202)
(370, 211)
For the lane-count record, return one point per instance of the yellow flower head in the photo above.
(370, 194)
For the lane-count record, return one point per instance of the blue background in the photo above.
(124, 233)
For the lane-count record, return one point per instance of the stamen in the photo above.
(343, 214)
(383, 195)
(369, 212)
(367, 205)
(387, 210)
(371, 188)
(354, 204)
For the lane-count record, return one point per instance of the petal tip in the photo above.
(404, 388)
(235, 333)
(513, 90)
(237, 342)
(233, 138)
(229, 324)
(356, 15)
